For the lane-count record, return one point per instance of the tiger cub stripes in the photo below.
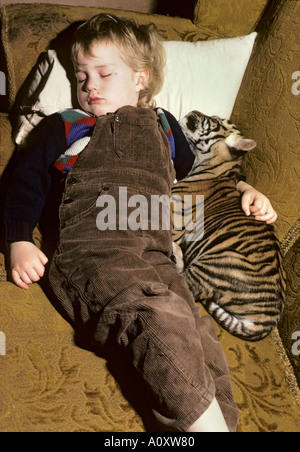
(236, 269)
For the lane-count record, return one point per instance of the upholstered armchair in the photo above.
(48, 383)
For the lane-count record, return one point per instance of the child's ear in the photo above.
(142, 80)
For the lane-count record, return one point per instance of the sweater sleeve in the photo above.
(30, 181)
(184, 157)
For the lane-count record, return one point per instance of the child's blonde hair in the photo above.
(140, 48)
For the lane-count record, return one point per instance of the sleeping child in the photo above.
(119, 285)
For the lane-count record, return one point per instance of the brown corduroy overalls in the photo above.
(121, 285)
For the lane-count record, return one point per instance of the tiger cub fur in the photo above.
(235, 270)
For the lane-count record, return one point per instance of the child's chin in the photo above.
(98, 110)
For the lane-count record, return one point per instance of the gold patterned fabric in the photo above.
(229, 17)
(290, 323)
(267, 110)
(50, 384)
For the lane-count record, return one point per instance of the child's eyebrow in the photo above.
(79, 68)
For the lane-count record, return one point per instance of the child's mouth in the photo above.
(95, 100)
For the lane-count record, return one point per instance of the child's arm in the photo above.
(184, 157)
(25, 198)
(27, 263)
(255, 203)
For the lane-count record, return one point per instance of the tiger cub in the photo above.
(235, 269)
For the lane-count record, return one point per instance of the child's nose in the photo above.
(92, 84)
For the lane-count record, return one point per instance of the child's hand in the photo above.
(256, 204)
(27, 263)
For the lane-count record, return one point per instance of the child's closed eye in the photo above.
(80, 77)
(105, 75)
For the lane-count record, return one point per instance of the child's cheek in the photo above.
(81, 97)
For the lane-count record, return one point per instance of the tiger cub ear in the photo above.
(246, 144)
(242, 144)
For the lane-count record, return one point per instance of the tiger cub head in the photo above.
(215, 142)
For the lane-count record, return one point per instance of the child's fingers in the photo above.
(273, 218)
(43, 258)
(269, 217)
(38, 269)
(257, 210)
(35, 274)
(260, 207)
(247, 200)
(18, 280)
(262, 217)
(23, 278)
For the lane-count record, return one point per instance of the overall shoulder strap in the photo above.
(167, 129)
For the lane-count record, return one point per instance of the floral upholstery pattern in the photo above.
(229, 18)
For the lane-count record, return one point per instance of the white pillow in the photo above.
(203, 75)
(49, 92)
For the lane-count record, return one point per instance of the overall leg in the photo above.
(213, 354)
(158, 333)
(176, 352)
